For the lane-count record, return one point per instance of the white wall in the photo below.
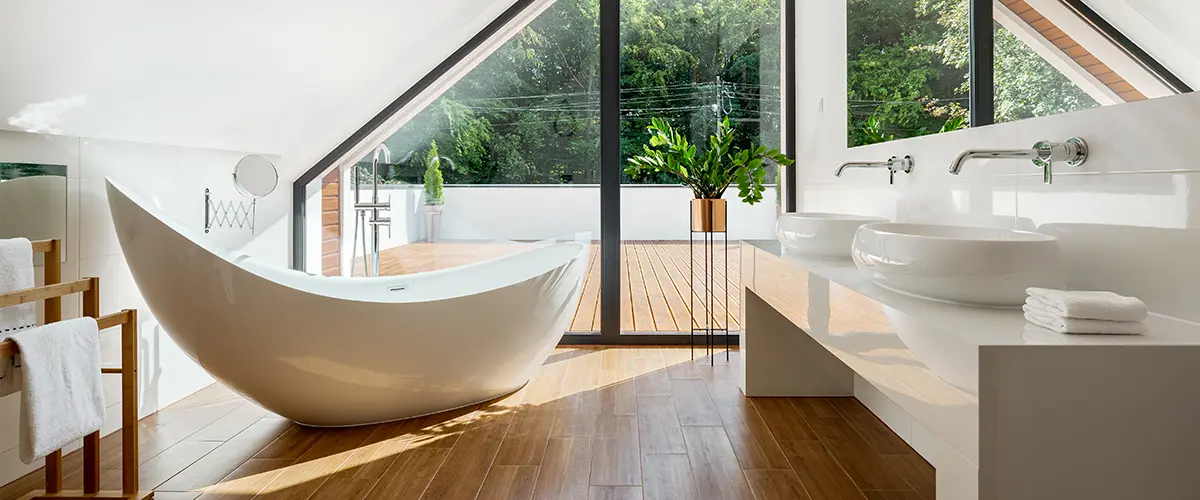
(481, 213)
(173, 176)
(533, 213)
(1132, 213)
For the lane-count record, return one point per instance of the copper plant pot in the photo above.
(708, 216)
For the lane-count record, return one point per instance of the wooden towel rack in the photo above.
(52, 294)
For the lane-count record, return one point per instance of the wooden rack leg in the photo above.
(91, 463)
(54, 477)
(52, 260)
(51, 313)
(129, 405)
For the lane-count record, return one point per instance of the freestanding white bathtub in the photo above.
(349, 351)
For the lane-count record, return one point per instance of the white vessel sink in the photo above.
(820, 234)
(969, 265)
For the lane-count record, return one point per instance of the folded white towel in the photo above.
(1087, 305)
(1037, 335)
(1083, 326)
(62, 398)
(16, 273)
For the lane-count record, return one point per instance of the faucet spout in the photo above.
(894, 164)
(1073, 152)
(858, 164)
(995, 154)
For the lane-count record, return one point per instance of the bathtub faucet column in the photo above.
(371, 257)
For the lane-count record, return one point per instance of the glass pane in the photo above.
(907, 68)
(504, 160)
(692, 64)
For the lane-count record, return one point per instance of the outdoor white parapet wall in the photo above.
(537, 212)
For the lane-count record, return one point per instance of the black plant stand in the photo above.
(706, 324)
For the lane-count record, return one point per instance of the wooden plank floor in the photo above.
(655, 296)
(618, 423)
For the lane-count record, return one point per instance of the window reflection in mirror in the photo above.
(907, 68)
(1042, 71)
(33, 201)
(909, 60)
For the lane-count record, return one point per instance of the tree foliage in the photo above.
(899, 84)
(908, 63)
(9, 171)
(1026, 85)
(529, 112)
(433, 176)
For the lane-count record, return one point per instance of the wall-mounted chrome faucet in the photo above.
(1044, 154)
(894, 164)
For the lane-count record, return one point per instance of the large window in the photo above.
(509, 156)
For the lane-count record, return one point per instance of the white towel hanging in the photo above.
(16, 273)
(62, 398)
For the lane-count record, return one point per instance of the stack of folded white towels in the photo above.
(1085, 312)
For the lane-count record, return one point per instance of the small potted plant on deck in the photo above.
(709, 172)
(434, 197)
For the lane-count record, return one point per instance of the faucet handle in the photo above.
(897, 164)
(1074, 152)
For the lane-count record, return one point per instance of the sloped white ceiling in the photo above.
(292, 77)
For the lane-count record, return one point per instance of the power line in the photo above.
(697, 86)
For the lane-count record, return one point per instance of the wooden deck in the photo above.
(625, 423)
(654, 280)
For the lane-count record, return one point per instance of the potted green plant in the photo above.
(708, 173)
(434, 197)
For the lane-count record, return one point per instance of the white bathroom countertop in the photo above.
(1003, 399)
(979, 326)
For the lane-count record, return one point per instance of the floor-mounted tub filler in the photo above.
(330, 351)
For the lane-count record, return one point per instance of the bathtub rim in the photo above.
(312, 284)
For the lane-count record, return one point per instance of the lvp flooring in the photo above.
(595, 424)
(655, 296)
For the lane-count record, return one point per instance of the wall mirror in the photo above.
(33, 202)
(255, 176)
(910, 68)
